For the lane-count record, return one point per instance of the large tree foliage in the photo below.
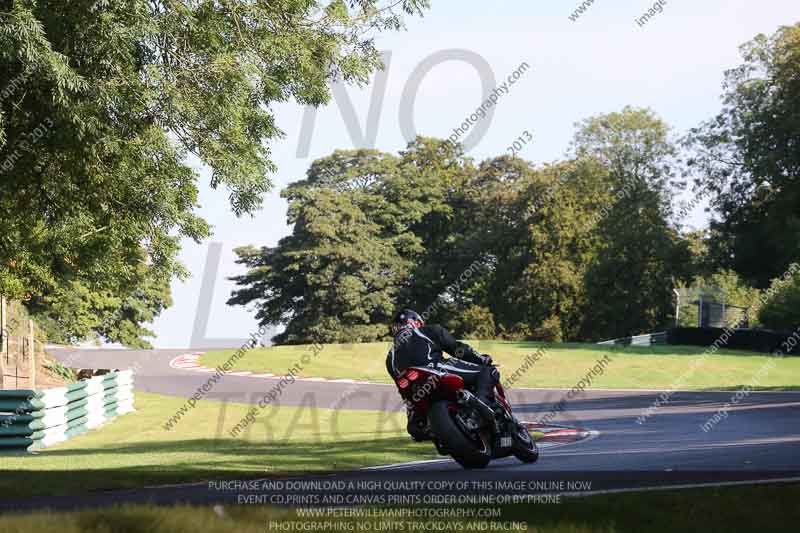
(502, 248)
(629, 283)
(427, 199)
(102, 102)
(362, 225)
(335, 277)
(536, 223)
(748, 156)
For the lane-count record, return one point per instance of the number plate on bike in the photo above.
(505, 442)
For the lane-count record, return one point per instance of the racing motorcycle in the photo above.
(443, 410)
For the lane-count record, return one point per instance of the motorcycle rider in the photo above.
(416, 344)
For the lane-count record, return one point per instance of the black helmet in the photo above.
(406, 318)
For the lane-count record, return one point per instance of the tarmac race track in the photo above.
(758, 440)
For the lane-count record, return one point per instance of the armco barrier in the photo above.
(31, 419)
(648, 339)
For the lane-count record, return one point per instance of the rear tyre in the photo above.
(467, 451)
(524, 447)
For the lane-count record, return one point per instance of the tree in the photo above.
(576, 249)
(629, 283)
(371, 231)
(495, 229)
(335, 278)
(747, 157)
(427, 197)
(536, 224)
(75, 312)
(475, 322)
(563, 245)
(782, 308)
(106, 100)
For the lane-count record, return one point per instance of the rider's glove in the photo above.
(486, 359)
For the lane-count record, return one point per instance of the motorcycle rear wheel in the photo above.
(462, 448)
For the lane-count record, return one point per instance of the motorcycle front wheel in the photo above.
(524, 447)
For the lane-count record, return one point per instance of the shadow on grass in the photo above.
(197, 460)
(758, 508)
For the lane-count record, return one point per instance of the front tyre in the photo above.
(524, 447)
(468, 451)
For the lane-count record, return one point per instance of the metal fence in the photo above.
(17, 351)
(19, 363)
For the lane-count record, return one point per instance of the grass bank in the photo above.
(764, 508)
(560, 366)
(135, 450)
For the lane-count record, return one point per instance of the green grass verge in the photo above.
(754, 508)
(135, 450)
(562, 366)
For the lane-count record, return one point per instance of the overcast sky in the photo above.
(598, 64)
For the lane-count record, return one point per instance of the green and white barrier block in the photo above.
(38, 419)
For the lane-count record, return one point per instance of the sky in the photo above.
(599, 63)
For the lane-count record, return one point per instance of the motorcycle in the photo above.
(443, 410)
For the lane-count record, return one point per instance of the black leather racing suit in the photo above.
(424, 346)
